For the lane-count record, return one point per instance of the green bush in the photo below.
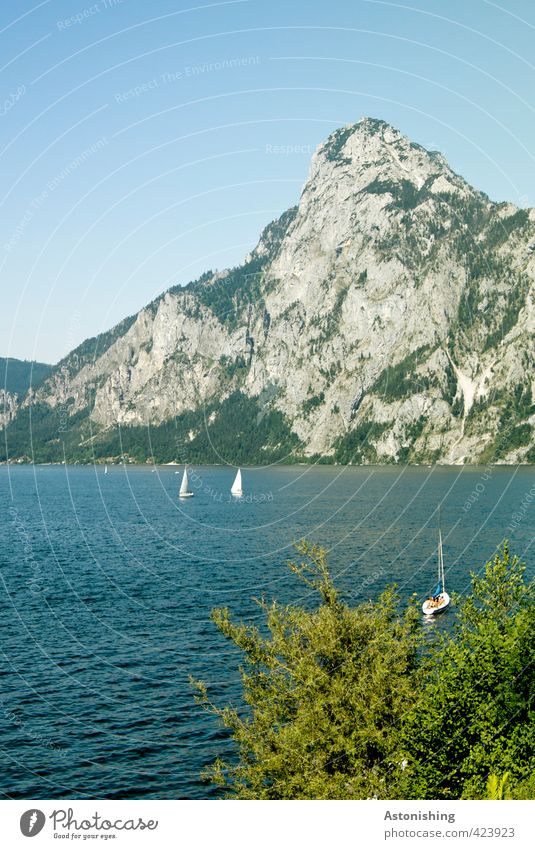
(363, 702)
(326, 692)
(476, 715)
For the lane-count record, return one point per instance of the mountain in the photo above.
(387, 318)
(16, 378)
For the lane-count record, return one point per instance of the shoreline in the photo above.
(175, 465)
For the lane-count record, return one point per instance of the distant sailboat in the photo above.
(105, 470)
(236, 486)
(184, 486)
(440, 599)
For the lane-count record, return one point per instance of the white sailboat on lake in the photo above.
(236, 488)
(440, 599)
(184, 486)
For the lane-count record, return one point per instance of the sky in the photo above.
(144, 143)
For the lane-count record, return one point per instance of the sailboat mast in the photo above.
(440, 599)
(442, 565)
(441, 576)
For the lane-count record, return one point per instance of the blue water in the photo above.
(108, 582)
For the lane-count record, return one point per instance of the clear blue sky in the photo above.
(109, 196)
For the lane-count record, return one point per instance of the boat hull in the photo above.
(186, 494)
(431, 610)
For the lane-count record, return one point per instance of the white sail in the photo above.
(184, 486)
(236, 486)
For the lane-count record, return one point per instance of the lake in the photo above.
(108, 581)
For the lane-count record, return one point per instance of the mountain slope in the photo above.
(16, 376)
(387, 318)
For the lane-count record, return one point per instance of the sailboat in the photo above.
(184, 486)
(440, 599)
(236, 488)
(105, 470)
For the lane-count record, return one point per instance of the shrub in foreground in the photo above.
(342, 702)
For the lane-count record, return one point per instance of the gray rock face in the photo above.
(390, 317)
(8, 407)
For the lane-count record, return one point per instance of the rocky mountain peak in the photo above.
(368, 187)
(372, 149)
